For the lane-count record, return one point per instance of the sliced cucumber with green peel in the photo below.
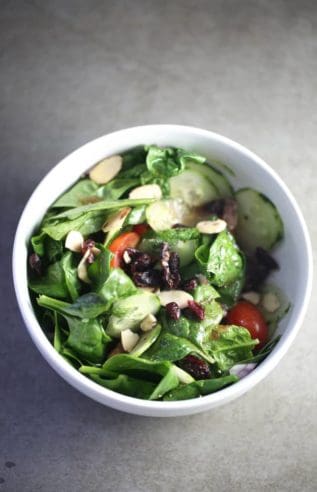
(146, 341)
(259, 223)
(163, 214)
(193, 188)
(128, 313)
(216, 177)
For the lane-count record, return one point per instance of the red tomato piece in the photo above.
(120, 244)
(141, 229)
(247, 315)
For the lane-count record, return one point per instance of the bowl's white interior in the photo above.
(293, 254)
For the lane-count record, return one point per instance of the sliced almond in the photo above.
(179, 296)
(74, 241)
(148, 323)
(115, 221)
(211, 226)
(146, 191)
(129, 339)
(251, 296)
(82, 271)
(126, 258)
(106, 169)
(270, 302)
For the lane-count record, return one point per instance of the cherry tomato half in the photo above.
(140, 229)
(247, 315)
(120, 244)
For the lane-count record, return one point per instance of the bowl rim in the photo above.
(131, 404)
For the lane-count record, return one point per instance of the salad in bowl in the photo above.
(150, 275)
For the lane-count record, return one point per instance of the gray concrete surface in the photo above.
(73, 70)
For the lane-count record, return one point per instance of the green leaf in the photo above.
(99, 270)
(230, 345)
(116, 188)
(200, 388)
(70, 273)
(167, 383)
(133, 157)
(225, 261)
(171, 348)
(162, 162)
(102, 206)
(184, 156)
(87, 223)
(57, 334)
(87, 338)
(76, 195)
(52, 283)
(127, 385)
(263, 353)
(37, 242)
(205, 293)
(137, 215)
(116, 286)
(88, 306)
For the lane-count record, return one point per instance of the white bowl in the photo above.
(293, 254)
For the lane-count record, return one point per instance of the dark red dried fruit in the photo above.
(196, 367)
(190, 285)
(170, 267)
(197, 309)
(149, 278)
(266, 259)
(173, 310)
(224, 208)
(35, 263)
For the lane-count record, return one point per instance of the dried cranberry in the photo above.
(170, 267)
(88, 244)
(173, 310)
(196, 367)
(35, 263)
(224, 208)
(197, 309)
(179, 226)
(143, 262)
(190, 285)
(149, 278)
(266, 259)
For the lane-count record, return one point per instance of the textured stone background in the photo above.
(72, 70)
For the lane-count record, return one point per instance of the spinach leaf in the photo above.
(167, 383)
(225, 261)
(87, 338)
(171, 348)
(133, 157)
(102, 206)
(87, 223)
(127, 385)
(263, 353)
(230, 345)
(117, 285)
(77, 194)
(90, 305)
(57, 334)
(70, 356)
(199, 388)
(116, 188)
(202, 256)
(184, 156)
(172, 236)
(37, 242)
(132, 173)
(205, 293)
(53, 249)
(70, 274)
(162, 162)
(52, 283)
(99, 270)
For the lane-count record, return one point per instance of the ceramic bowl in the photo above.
(293, 254)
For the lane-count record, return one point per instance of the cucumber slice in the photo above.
(184, 249)
(284, 304)
(163, 214)
(259, 223)
(146, 341)
(128, 313)
(193, 188)
(214, 176)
